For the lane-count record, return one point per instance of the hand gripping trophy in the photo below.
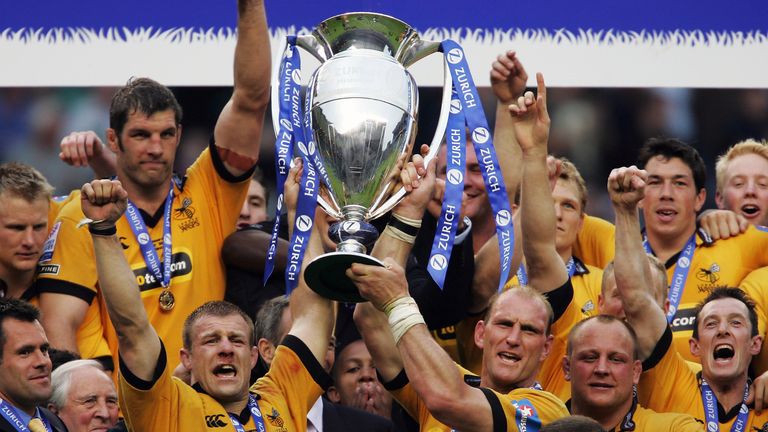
(355, 130)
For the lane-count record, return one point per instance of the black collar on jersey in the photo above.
(151, 220)
(579, 268)
(722, 416)
(244, 415)
(706, 240)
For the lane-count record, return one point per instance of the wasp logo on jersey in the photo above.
(181, 264)
(588, 308)
(186, 215)
(276, 420)
(709, 275)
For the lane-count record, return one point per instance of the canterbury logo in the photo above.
(215, 421)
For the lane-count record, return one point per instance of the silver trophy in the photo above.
(363, 111)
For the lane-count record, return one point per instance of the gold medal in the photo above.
(167, 301)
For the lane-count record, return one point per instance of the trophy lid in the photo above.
(367, 30)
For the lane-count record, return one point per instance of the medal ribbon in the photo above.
(710, 409)
(522, 275)
(482, 138)
(258, 420)
(12, 417)
(146, 246)
(680, 275)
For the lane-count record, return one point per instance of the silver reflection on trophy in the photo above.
(363, 110)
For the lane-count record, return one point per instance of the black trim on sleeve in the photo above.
(497, 412)
(560, 299)
(140, 384)
(222, 171)
(398, 382)
(107, 362)
(661, 348)
(64, 287)
(314, 368)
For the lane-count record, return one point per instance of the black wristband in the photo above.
(102, 231)
(402, 226)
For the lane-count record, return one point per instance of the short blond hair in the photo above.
(571, 174)
(749, 146)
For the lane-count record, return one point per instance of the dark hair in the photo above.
(18, 310)
(268, 319)
(603, 319)
(670, 148)
(217, 309)
(725, 293)
(143, 95)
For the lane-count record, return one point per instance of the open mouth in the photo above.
(750, 210)
(510, 357)
(225, 371)
(723, 352)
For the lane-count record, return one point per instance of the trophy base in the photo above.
(325, 275)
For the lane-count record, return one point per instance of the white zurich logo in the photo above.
(454, 56)
(438, 262)
(480, 135)
(143, 238)
(304, 223)
(503, 218)
(455, 106)
(455, 176)
(296, 76)
(350, 227)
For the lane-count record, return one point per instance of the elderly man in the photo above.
(25, 370)
(84, 396)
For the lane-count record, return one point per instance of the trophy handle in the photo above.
(434, 147)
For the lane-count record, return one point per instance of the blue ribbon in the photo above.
(146, 246)
(486, 157)
(253, 406)
(290, 121)
(522, 275)
(448, 222)
(680, 275)
(710, 409)
(10, 414)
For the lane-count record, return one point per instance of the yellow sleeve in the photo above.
(224, 193)
(756, 286)
(670, 385)
(529, 409)
(551, 375)
(294, 382)
(595, 243)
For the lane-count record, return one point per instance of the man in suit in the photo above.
(25, 370)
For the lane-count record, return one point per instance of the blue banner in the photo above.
(596, 43)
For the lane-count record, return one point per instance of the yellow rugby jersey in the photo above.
(517, 410)
(723, 263)
(205, 209)
(668, 384)
(756, 286)
(285, 394)
(595, 243)
(90, 334)
(647, 420)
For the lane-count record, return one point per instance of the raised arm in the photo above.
(508, 79)
(238, 130)
(391, 324)
(634, 279)
(546, 270)
(104, 201)
(82, 149)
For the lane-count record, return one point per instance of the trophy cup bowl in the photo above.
(363, 114)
